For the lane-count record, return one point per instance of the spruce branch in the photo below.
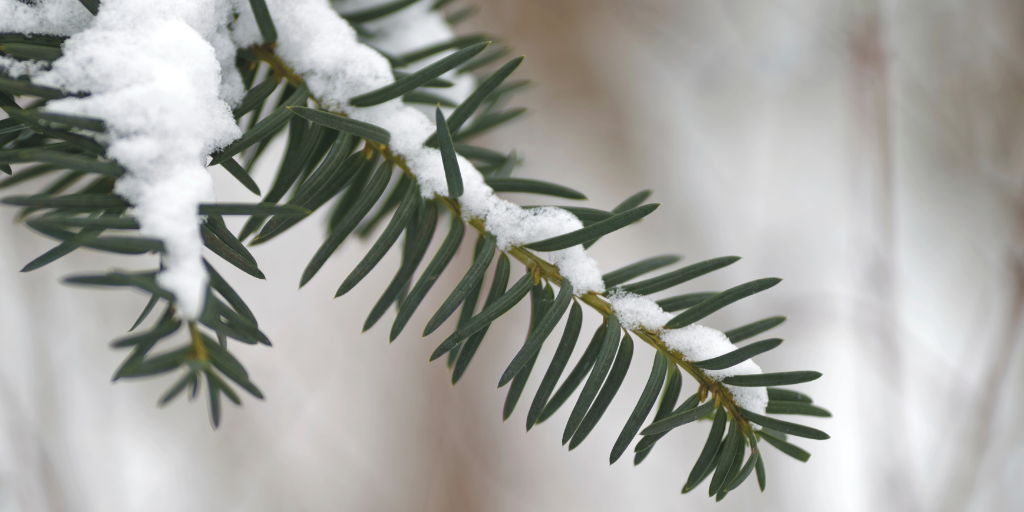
(710, 387)
(323, 160)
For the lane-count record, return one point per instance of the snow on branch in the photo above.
(162, 77)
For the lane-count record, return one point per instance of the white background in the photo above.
(867, 153)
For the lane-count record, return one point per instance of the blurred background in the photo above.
(868, 152)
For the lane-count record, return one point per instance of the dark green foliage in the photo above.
(414, 80)
(433, 271)
(66, 161)
(252, 209)
(240, 174)
(759, 467)
(221, 286)
(448, 158)
(632, 201)
(265, 128)
(487, 122)
(462, 113)
(593, 231)
(162, 363)
(144, 281)
(666, 281)
(343, 124)
(679, 418)
(63, 249)
(616, 375)
(686, 300)
(805, 409)
(363, 169)
(410, 203)
(10, 126)
(437, 82)
(673, 385)
(77, 201)
(586, 215)
(558, 364)
(707, 472)
(707, 456)
(719, 301)
(335, 172)
(539, 332)
(734, 470)
(500, 306)
(145, 312)
(123, 245)
(772, 379)
(632, 271)
(788, 395)
(460, 43)
(785, 426)
(255, 98)
(366, 200)
(266, 25)
(533, 187)
(227, 322)
(506, 168)
(426, 98)
(394, 199)
(64, 121)
(470, 346)
(541, 300)
(379, 11)
(738, 356)
(92, 5)
(28, 174)
(785, 447)
(468, 306)
(516, 389)
(732, 446)
(31, 51)
(218, 239)
(164, 329)
(329, 155)
(479, 154)
(176, 389)
(420, 232)
(643, 448)
(643, 406)
(465, 286)
(750, 330)
(744, 472)
(44, 127)
(23, 87)
(307, 142)
(576, 376)
(601, 368)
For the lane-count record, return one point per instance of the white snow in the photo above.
(323, 49)
(52, 17)
(637, 311)
(693, 342)
(154, 74)
(16, 68)
(161, 74)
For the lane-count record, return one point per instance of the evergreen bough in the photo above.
(324, 160)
